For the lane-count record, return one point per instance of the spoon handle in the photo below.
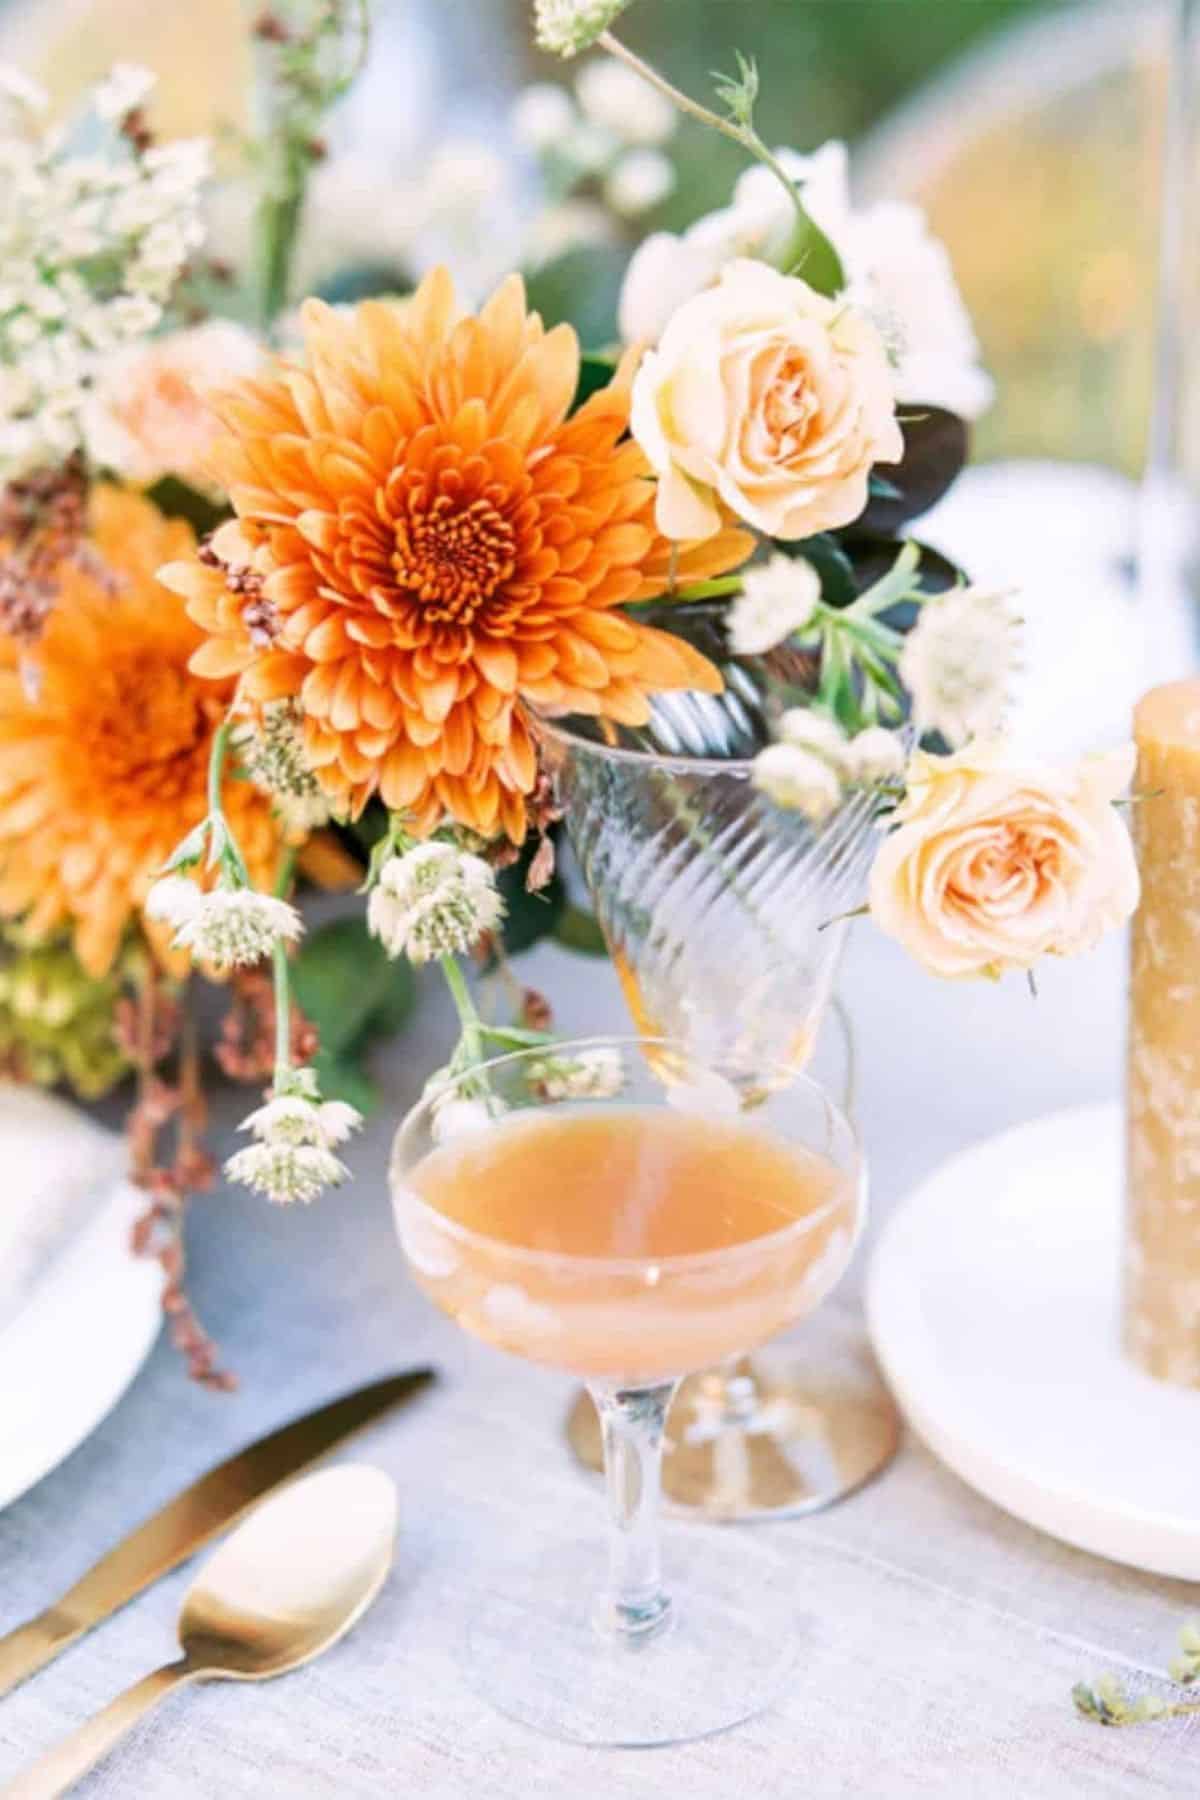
(60, 1768)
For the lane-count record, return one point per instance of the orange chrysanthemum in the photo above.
(104, 753)
(427, 541)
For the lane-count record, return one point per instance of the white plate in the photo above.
(70, 1353)
(993, 1305)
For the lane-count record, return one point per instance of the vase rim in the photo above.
(740, 767)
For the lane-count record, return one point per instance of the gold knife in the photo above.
(210, 1506)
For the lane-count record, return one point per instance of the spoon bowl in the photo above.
(289, 1582)
(293, 1578)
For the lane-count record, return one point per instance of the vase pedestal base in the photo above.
(789, 1431)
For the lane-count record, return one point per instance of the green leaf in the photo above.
(828, 557)
(180, 501)
(936, 446)
(350, 988)
(579, 930)
(595, 372)
(581, 289)
(342, 1079)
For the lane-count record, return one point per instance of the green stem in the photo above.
(283, 1013)
(279, 219)
(744, 136)
(717, 589)
(286, 875)
(216, 766)
(468, 1017)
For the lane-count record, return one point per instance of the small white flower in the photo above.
(624, 103)
(336, 1121)
(798, 780)
(286, 1172)
(455, 1119)
(595, 1074)
(806, 729)
(234, 927)
(641, 179)
(173, 900)
(127, 87)
(434, 900)
(573, 225)
(542, 117)
(778, 598)
(876, 755)
(959, 660)
(21, 91)
(565, 27)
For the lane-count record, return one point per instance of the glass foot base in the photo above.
(726, 1651)
(791, 1430)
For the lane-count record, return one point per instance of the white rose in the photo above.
(769, 400)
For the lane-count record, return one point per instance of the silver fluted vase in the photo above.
(725, 919)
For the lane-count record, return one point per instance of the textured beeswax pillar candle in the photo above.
(1161, 1318)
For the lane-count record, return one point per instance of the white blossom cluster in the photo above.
(595, 1074)
(94, 233)
(813, 762)
(295, 1136)
(565, 27)
(959, 661)
(270, 749)
(433, 900)
(612, 130)
(225, 929)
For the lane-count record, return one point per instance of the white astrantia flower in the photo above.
(876, 755)
(236, 927)
(638, 181)
(572, 225)
(778, 597)
(566, 27)
(595, 1074)
(616, 97)
(286, 1173)
(460, 1118)
(542, 117)
(959, 662)
(434, 900)
(127, 87)
(173, 900)
(271, 750)
(799, 780)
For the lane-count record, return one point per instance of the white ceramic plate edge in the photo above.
(1161, 1542)
(68, 1357)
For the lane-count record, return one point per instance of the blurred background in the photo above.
(1030, 130)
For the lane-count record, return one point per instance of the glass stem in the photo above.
(633, 1420)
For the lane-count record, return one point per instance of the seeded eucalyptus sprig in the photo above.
(1105, 1702)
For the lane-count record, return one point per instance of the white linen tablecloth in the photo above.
(941, 1637)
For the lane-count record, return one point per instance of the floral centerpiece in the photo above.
(284, 601)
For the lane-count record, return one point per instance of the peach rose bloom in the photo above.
(769, 400)
(148, 416)
(995, 864)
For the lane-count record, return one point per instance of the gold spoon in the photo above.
(284, 1586)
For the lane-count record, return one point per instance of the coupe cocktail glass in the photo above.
(627, 1241)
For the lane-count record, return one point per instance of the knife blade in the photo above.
(184, 1525)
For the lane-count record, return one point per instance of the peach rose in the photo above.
(994, 864)
(148, 418)
(768, 399)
